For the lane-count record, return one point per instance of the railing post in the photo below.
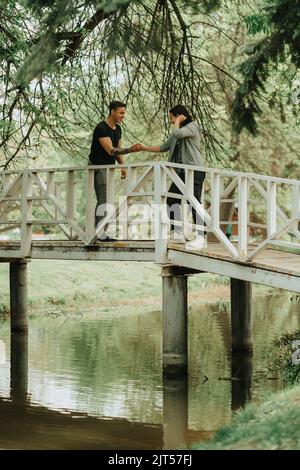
(5, 182)
(123, 213)
(50, 182)
(243, 216)
(160, 214)
(189, 189)
(272, 213)
(90, 206)
(26, 213)
(131, 182)
(296, 202)
(215, 201)
(132, 177)
(70, 195)
(111, 191)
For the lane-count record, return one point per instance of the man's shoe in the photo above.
(197, 244)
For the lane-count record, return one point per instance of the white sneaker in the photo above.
(197, 244)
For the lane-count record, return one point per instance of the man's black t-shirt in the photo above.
(98, 156)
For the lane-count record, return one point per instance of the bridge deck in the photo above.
(271, 267)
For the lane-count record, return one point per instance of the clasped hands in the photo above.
(137, 147)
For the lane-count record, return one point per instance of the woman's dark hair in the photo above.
(180, 109)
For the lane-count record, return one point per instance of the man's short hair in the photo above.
(115, 105)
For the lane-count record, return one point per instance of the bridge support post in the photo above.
(241, 316)
(18, 296)
(174, 322)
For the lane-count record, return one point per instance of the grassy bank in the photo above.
(273, 425)
(65, 285)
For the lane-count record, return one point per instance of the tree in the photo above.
(279, 21)
(60, 58)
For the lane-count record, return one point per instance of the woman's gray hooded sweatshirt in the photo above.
(188, 138)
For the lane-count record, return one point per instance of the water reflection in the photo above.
(19, 366)
(95, 382)
(241, 379)
(175, 413)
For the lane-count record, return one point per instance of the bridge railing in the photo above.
(262, 210)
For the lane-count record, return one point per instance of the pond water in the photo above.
(94, 381)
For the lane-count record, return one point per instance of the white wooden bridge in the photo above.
(265, 250)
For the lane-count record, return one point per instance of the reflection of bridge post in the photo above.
(175, 413)
(19, 365)
(241, 317)
(18, 296)
(241, 373)
(174, 322)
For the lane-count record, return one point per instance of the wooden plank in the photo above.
(269, 259)
(232, 173)
(169, 165)
(234, 270)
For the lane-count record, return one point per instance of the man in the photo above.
(106, 150)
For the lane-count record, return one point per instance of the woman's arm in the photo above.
(182, 132)
(149, 148)
(153, 148)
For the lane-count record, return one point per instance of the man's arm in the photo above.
(106, 143)
(120, 158)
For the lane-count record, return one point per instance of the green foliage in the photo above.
(281, 358)
(59, 75)
(257, 23)
(271, 425)
(280, 21)
(4, 310)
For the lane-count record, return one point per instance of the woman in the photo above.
(184, 147)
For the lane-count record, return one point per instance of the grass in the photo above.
(272, 425)
(69, 285)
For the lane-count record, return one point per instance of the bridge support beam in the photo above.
(174, 322)
(18, 296)
(241, 316)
